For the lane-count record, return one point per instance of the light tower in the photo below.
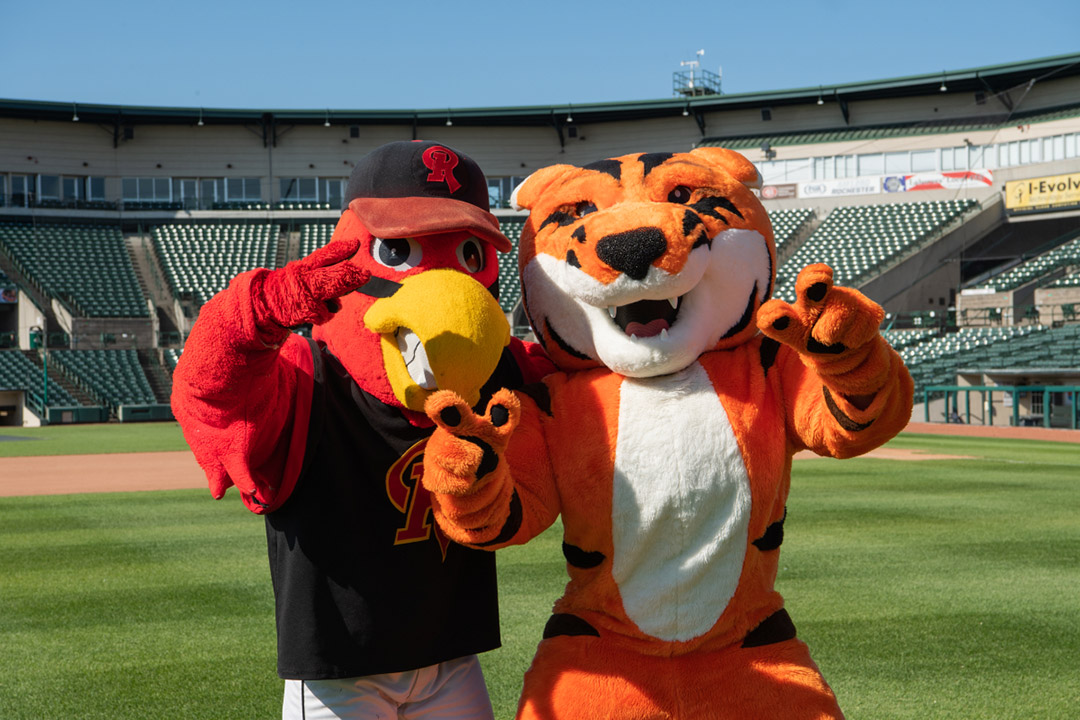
(696, 81)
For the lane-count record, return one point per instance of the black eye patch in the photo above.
(378, 287)
(561, 217)
(708, 206)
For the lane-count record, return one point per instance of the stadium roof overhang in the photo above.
(995, 80)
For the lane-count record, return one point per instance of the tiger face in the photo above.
(643, 262)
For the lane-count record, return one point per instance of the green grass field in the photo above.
(929, 589)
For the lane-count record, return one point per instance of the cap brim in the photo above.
(412, 216)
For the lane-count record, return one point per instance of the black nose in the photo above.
(633, 251)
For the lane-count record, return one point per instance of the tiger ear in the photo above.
(525, 195)
(735, 164)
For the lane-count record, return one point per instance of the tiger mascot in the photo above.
(665, 441)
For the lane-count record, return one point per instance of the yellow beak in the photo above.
(441, 330)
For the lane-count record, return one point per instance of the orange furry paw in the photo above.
(834, 329)
(464, 467)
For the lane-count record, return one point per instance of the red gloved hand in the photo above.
(307, 290)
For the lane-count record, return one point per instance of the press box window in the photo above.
(246, 189)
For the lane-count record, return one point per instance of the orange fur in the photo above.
(784, 377)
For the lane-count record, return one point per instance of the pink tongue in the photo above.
(654, 327)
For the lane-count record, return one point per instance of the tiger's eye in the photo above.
(584, 208)
(680, 195)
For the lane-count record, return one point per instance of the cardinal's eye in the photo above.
(680, 195)
(396, 253)
(471, 255)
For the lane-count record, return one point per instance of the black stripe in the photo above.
(652, 160)
(748, 313)
(540, 395)
(563, 345)
(773, 629)
(773, 537)
(692, 222)
(767, 352)
(378, 287)
(580, 558)
(845, 422)
(579, 234)
(708, 205)
(512, 524)
(560, 217)
(489, 461)
(609, 167)
(567, 624)
(571, 259)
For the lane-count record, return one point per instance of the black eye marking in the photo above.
(609, 167)
(561, 217)
(571, 259)
(680, 195)
(378, 287)
(692, 223)
(708, 205)
(652, 160)
(579, 234)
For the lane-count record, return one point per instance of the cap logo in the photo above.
(441, 162)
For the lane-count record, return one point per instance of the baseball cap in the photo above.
(405, 189)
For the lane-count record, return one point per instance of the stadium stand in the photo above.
(114, 376)
(509, 283)
(1065, 255)
(199, 260)
(313, 236)
(171, 357)
(18, 372)
(85, 267)
(859, 240)
(787, 224)
(937, 359)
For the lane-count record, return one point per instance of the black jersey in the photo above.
(364, 582)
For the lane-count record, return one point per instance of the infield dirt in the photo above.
(127, 472)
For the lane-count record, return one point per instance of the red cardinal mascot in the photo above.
(325, 437)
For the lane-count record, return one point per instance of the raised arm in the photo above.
(490, 475)
(242, 388)
(845, 390)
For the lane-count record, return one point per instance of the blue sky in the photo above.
(424, 54)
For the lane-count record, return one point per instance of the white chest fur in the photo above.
(681, 505)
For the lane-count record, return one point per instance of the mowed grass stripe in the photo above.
(929, 589)
(91, 439)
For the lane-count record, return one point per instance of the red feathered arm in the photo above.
(242, 389)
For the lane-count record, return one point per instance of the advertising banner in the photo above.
(958, 180)
(1045, 193)
(779, 192)
(840, 188)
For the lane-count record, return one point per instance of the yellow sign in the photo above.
(1045, 193)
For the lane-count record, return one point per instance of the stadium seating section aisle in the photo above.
(860, 240)
(18, 372)
(86, 266)
(1064, 255)
(171, 356)
(787, 224)
(199, 260)
(113, 375)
